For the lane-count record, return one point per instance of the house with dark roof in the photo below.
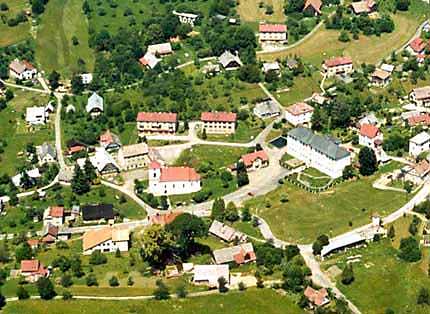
(98, 212)
(46, 153)
(318, 151)
(95, 105)
(230, 61)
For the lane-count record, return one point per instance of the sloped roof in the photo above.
(170, 174)
(316, 4)
(94, 102)
(299, 108)
(419, 119)
(56, 211)
(95, 212)
(338, 61)
(47, 149)
(422, 92)
(317, 297)
(227, 57)
(235, 253)
(369, 130)
(134, 150)
(149, 60)
(322, 144)
(272, 28)
(157, 117)
(162, 49)
(420, 138)
(248, 159)
(95, 237)
(381, 74)
(164, 219)
(218, 116)
(417, 45)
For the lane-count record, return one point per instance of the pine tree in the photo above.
(347, 275)
(90, 171)
(218, 209)
(391, 232)
(368, 161)
(80, 183)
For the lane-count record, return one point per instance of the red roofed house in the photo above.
(32, 270)
(53, 215)
(420, 119)
(312, 7)
(157, 122)
(299, 114)
(417, 46)
(316, 297)
(219, 122)
(172, 180)
(421, 96)
(273, 32)
(255, 160)
(370, 136)
(240, 254)
(33, 243)
(338, 65)
(110, 141)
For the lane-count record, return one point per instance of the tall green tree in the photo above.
(368, 161)
(80, 184)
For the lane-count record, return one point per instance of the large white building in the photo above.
(106, 240)
(273, 32)
(53, 215)
(299, 114)
(419, 143)
(317, 151)
(36, 115)
(219, 122)
(133, 156)
(421, 96)
(338, 66)
(157, 122)
(172, 180)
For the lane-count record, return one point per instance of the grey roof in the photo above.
(94, 102)
(225, 232)
(227, 57)
(47, 149)
(226, 255)
(323, 144)
(342, 242)
(266, 107)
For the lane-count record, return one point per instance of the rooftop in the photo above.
(299, 108)
(218, 116)
(369, 130)
(338, 61)
(272, 28)
(157, 117)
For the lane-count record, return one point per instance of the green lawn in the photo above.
(62, 20)
(307, 215)
(15, 34)
(392, 282)
(250, 302)
(303, 88)
(14, 130)
(245, 132)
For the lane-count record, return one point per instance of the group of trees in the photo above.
(82, 178)
(222, 213)
(24, 50)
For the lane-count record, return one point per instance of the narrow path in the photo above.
(22, 87)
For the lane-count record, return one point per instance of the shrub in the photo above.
(113, 282)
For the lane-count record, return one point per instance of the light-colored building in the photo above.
(338, 66)
(219, 122)
(256, 160)
(95, 105)
(271, 66)
(106, 240)
(46, 153)
(172, 180)
(157, 122)
(149, 60)
(361, 7)
(53, 215)
(225, 232)
(110, 141)
(239, 254)
(33, 174)
(160, 49)
(22, 70)
(380, 78)
(417, 46)
(133, 156)
(320, 152)
(421, 96)
(418, 118)
(417, 173)
(186, 18)
(230, 61)
(299, 114)
(208, 275)
(370, 136)
(273, 33)
(86, 78)
(36, 115)
(104, 163)
(316, 297)
(32, 270)
(419, 143)
(266, 109)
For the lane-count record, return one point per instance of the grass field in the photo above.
(13, 35)
(392, 282)
(303, 88)
(14, 130)
(250, 302)
(62, 20)
(324, 43)
(305, 216)
(250, 11)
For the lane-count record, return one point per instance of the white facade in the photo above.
(171, 185)
(337, 66)
(21, 70)
(368, 141)
(421, 96)
(419, 144)
(36, 115)
(219, 127)
(298, 119)
(186, 18)
(108, 246)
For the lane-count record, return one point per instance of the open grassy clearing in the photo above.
(394, 283)
(14, 130)
(15, 34)
(324, 43)
(250, 11)
(303, 88)
(305, 216)
(251, 302)
(63, 20)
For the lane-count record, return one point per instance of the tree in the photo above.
(222, 285)
(246, 214)
(218, 209)
(402, 5)
(37, 7)
(79, 182)
(54, 80)
(348, 172)
(204, 135)
(90, 171)
(343, 37)
(408, 186)
(67, 295)
(409, 250)
(130, 281)
(2, 301)
(347, 275)
(91, 280)
(242, 174)
(423, 296)
(45, 288)
(231, 212)
(161, 292)
(76, 266)
(391, 232)
(77, 85)
(368, 161)
(66, 280)
(113, 281)
(181, 291)
(22, 293)
(23, 252)
(158, 245)
(97, 258)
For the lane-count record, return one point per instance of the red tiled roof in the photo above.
(164, 219)
(272, 28)
(316, 4)
(170, 174)
(334, 62)
(48, 239)
(242, 257)
(30, 266)
(249, 159)
(218, 116)
(369, 130)
(417, 45)
(56, 211)
(28, 65)
(157, 117)
(154, 165)
(33, 242)
(143, 61)
(299, 108)
(419, 119)
(317, 297)
(75, 149)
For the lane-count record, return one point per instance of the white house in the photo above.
(419, 143)
(255, 160)
(266, 109)
(230, 61)
(209, 274)
(86, 78)
(273, 33)
(186, 18)
(160, 49)
(32, 270)
(94, 105)
(53, 215)
(271, 66)
(380, 78)
(299, 114)
(219, 122)
(46, 153)
(34, 174)
(338, 66)
(421, 96)
(149, 60)
(370, 136)
(104, 163)
(416, 173)
(106, 240)
(172, 180)
(36, 115)
(22, 70)
(320, 152)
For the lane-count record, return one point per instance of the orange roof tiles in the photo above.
(157, 117)
(218, 116)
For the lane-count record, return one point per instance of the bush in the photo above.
(242, 286)
(222, 285)
(181, 292)
(409, 250)
(91, 280)
(97, 258)
(113, 282)
(67, 295)
(66, 280)
(161, 292)
(22, 293)
(130, 281)
(45, 288)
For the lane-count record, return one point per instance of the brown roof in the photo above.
(381, 74)
(169, 174)
(30, 266)
(135, 150)
(369, 130)
(316, 4)
(218, 116)
(362, 6)
(164, 219)
(418, 45)
(422, 167)
(106, 137)
(157, 117)
(299, 108)
(272, 28)
(33, 242)
(56, 211)
(338, 61)
(422, 92)
(249, 159)
(95, 237)
(317, 297)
